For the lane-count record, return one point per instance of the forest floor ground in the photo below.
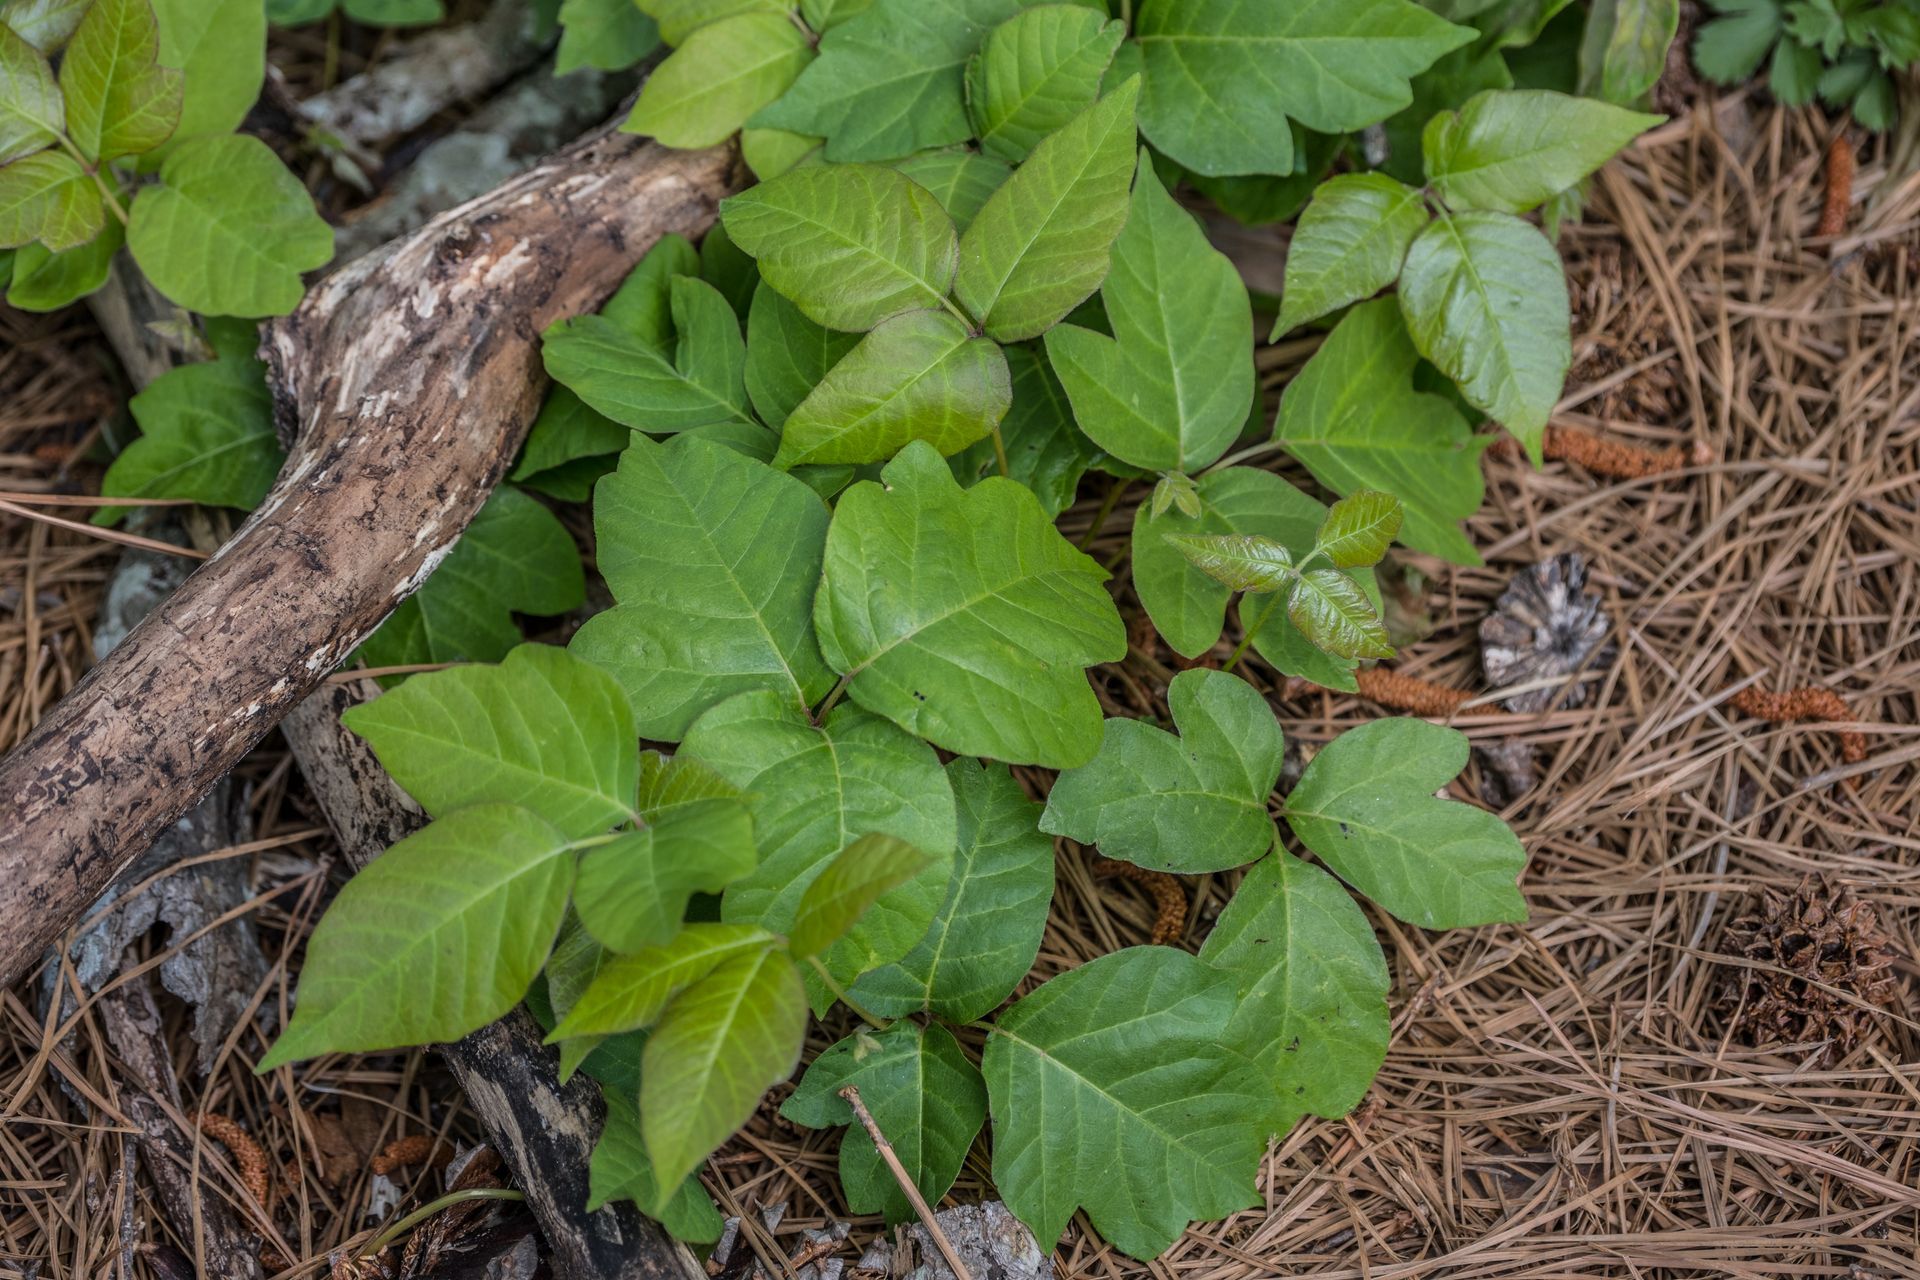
(1571, 1097)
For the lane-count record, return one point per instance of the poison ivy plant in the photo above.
(1843, 51)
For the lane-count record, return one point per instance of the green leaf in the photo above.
(1335, 615)
(1036, 71)
(1046, 450)
(918, 376)
(710, 602)
(851, 245)
(1172, 388)
(959, 179)
(1349, 245)
(671, 784)
(824, 15)
(730, 269)
(921, 1091)
(1112, 1090)
(1359, 529)
(1511, 150)
(1451, 81)
(48, 197)
(721, 1044)
(565, 433)
(1237, 561)
(888, 81)
(630, 381)
(609, 35)
(964, 616)
(708, 349)
(1223, 77)
(1188, 804)
(1312, 986)
(32, 112)
(813, 790)
(1042, 242)
(1366, 806)
(393, 13)
(227, 231)
(119, 101)
(44, 24)
(985, 935)
(679, 19)
(771, 152)
(470, 904)
(575, 962)
(714, 81)
(1624, 50)
(629, 993)
(643, 304)
(543, 730)
(220, 47)
(47, 281)
(620, 1170)
(633, 892)
(1354, 420)
(848, 886)
(516, 557)
(1485, 299)
(787, 354)
(1731, 48)
(206, 433)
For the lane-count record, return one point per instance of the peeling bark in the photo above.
(404, 384)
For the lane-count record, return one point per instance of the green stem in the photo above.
(833, 696)
(107, 192)
(1115, 488)
(1240, 650)
(1000, 451)
(1251, 451)
(1126, 16)
(427, 1210)
(958, 314)
(840, 993)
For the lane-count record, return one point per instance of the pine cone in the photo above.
(1829, 969)
(1546, 625)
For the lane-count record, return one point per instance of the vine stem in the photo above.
(1115, 488)
(1000, 451)
(93, 171)
(833, 696)
(1251, 451)
(867, 1016)
(432, 1207)
(852, 1094)
(1240, 650)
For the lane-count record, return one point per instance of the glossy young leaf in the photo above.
(715, 81)
(120, 101)
(543, 730)
(1112, 1089)
(220, 47)
(851, 245)
(1042, 242)
(1355, 421)
(888, 81)
(1312, 986)
(44, 24)
(1366, 807)
(633, 892)
(1238, 561)
(787, 354)
(959, 179)
(1349, 245)
(629, 993)
(1332, 612)
(516, 557)
(32, 112)
(964, 616)
(987, 930)
(1485, 300)
(721, 1044)
(917, 1084)
(709, 602)
(1511, 150)
(620, 1170)
(813, 790)
(474, 899)
(1188, 804)
(1223, 77)
(1170, 390)
(609, 35)
(918, 376)
(48, 197)
(1036, 71)
(850, 884)
(1046, 450)
(206, 433)
(227, 230)
(1358, 529)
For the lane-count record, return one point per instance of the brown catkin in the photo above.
(1613, 459)
(1807, 703)
(246, 1153)
(1833, 217)
(415, 1148)
(1172, 900)
(1408, 693)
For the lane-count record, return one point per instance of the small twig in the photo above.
(1833, 217)
(1614, 459)
(1409, 693)
(106, 535)
(852, 1094)
(1809, 702)
(1171, 899)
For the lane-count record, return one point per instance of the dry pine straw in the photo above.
(1561, 1099)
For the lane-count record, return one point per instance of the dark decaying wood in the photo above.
(404, 384)
(545, 1129)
